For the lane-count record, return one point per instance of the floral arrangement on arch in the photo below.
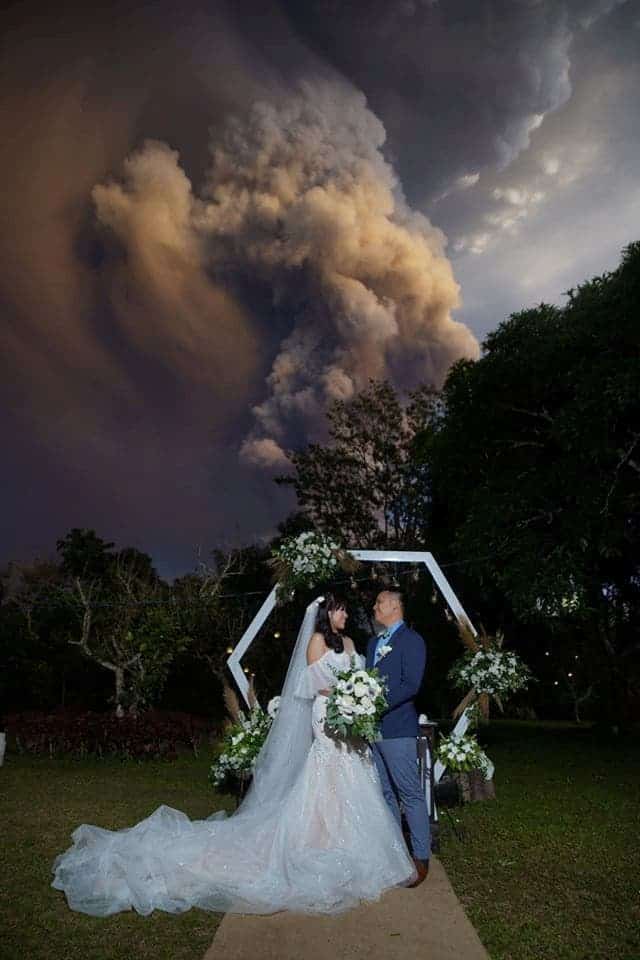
(306, 560)
(488, 670)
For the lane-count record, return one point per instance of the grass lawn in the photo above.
(548, 871)
(42, 801)
(551, 869)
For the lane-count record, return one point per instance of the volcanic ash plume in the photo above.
(301, 196)
(300, 200)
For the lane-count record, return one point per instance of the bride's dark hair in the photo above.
(323, 624)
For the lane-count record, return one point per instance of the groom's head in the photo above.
(388, 607)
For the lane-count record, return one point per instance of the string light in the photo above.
(277, 634)
(374, 575)
(229, 649)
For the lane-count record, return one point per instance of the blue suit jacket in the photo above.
(403, 669)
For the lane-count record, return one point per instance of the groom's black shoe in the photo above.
(422, 869)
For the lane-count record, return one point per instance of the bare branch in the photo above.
(625, 458)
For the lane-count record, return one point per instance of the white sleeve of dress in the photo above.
(312, 680)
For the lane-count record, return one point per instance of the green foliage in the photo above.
(84, 554)
(363, 487)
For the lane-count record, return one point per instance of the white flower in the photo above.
(360, 689)
(273, 706)
(384, 650)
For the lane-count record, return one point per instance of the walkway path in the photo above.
(427, 923)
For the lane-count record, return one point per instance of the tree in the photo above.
(364, 487)
(129, 625)
(36, 619)
(84, 554)
(535, 470)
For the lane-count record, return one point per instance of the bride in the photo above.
(314, 833)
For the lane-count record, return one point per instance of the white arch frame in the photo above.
(234, 661)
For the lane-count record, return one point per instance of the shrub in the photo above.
(150, 735)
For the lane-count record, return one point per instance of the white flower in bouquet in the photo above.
(356, 704)
(273, 706)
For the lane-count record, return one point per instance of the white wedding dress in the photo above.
(325, 843)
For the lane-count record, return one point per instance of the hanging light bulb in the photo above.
(229, 649)
(277, 634)
(246, 669)
(434, 596)
(415, 574)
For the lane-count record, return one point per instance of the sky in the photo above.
(219, 217)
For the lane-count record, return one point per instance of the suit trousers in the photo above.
(397, 764)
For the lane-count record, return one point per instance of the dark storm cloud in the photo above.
(216, 220)
(161, 168)
(565, 208)
(459, 86)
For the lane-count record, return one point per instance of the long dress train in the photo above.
(331, 842)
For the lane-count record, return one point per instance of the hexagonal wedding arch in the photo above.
(234, 662)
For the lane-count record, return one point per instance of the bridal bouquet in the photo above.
(241, 745)
(356, 703)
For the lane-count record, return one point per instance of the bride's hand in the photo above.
(324, 693)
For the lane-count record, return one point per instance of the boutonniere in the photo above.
(384, 650)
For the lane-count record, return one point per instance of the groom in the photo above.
(400, 656)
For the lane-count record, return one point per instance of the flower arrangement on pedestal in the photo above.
(242, 743)
(461, 754)
(491, 673)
